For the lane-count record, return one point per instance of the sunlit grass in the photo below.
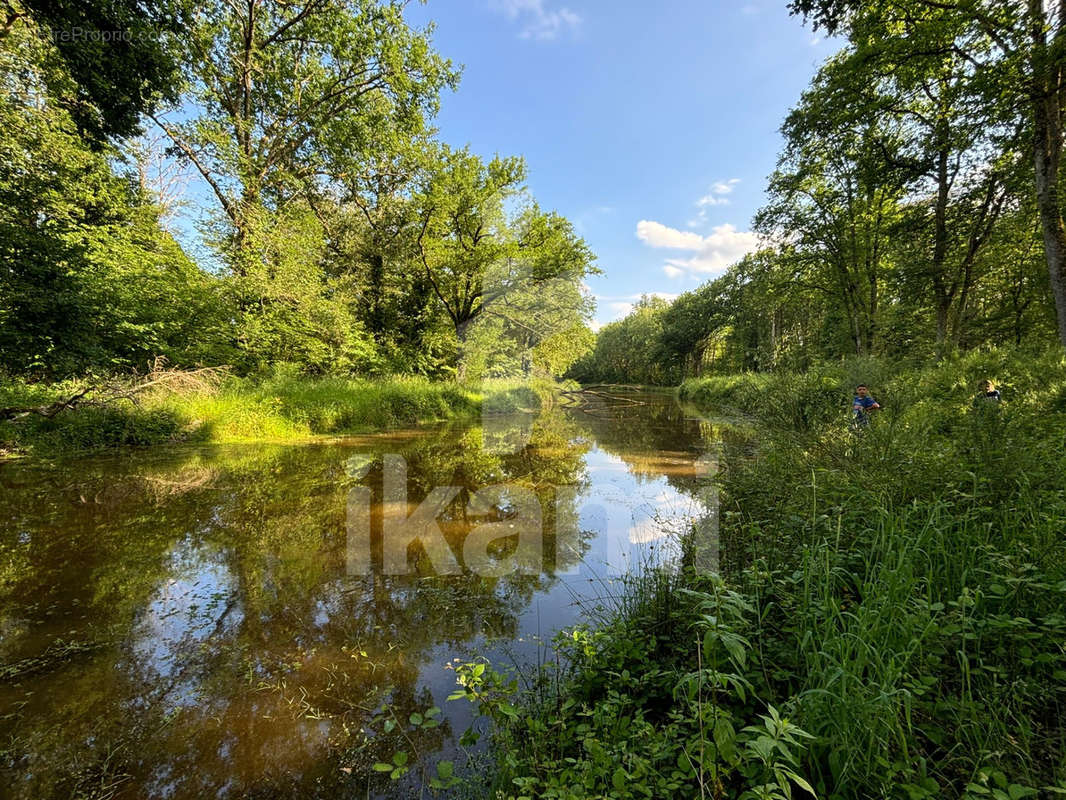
(280, 407)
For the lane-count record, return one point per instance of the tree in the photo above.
(88, 279)
(278, 85)
(626, 350)
(371, 218)
(119, 58)
(1026, 65)
(289, 100)
(692, 324)
(833, 200)
(288, 309)
(477, 257)
(957, 147)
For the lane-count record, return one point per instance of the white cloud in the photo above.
(647, 530)
(724, 187)
(538, 21)
(658, 235)
(712, 200)
(713, 253)
(716, 196)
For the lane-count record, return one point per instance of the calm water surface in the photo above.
(181, 623)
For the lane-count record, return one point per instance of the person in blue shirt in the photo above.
(989, 393)
(862, 404)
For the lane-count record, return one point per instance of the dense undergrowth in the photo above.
(279, 407)
(890, 620)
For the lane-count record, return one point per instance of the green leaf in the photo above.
(509, 710)
(725, 739)
(800, 782)
(1017, 791)
(469, 738)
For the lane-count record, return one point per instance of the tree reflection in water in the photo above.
(182, 623)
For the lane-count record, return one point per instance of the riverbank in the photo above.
(889, 621)
(278, 408)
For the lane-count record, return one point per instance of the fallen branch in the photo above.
(50, 410)
(202, 379)
(587, 395)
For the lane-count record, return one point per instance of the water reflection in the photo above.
(184, 623)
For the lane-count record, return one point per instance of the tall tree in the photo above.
(371, 217)
(1026, 65)
(276, 85)
(88, 280)
(833, 200)
(477, 256)
(120, 58)
(957, 146)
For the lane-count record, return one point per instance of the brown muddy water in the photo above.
(186, 622)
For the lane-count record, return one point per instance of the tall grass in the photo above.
(282, 406)
(913, 575)
(898, 592)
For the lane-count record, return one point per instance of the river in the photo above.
(217, 621)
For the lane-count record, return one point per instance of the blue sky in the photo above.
(653, 126)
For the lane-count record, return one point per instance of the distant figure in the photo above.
(989, 393)
(862, 404)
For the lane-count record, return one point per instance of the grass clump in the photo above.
(897, 594)
(280, 406)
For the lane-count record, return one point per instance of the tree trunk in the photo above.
(1047, 151)
(461, 329)
(940, 251)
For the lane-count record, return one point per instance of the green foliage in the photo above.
(908, 582)
(121, 58)
(508, 282)
(650, 705)
(289, 310)
(90, 281)
(626, 350)
(282, 406)
(340, 229)
(888, 621)
(904, 218)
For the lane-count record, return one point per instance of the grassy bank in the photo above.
(277, 408)
(890, 621)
